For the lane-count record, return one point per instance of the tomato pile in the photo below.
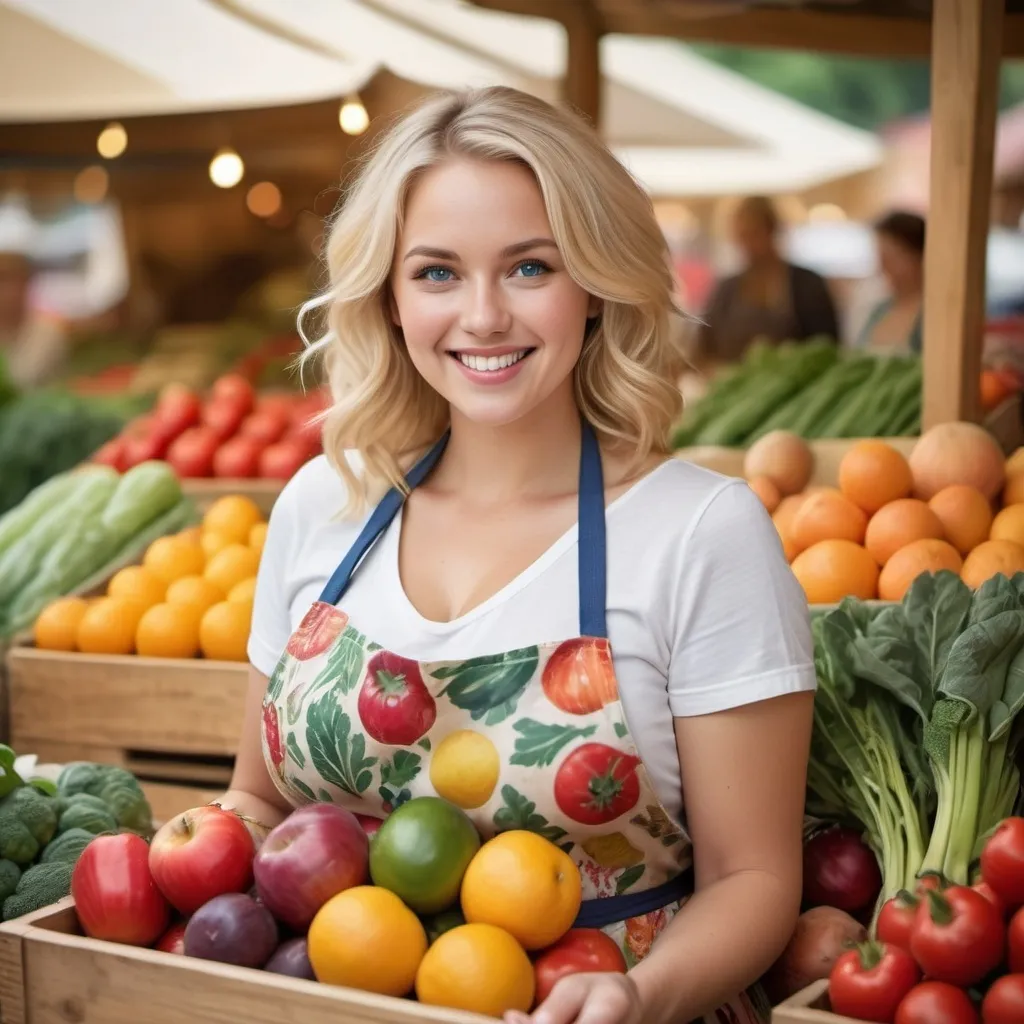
(945, 954)
(231, 433)
(412, 905)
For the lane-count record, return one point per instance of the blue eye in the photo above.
(532, 268)
(436, 275)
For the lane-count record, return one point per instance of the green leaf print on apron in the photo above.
(534, 738)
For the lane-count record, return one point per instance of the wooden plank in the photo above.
(204, 492)
(582, 84)
(810, 1006)
(965, 84)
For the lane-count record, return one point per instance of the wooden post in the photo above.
(582, 85)
(966, 50)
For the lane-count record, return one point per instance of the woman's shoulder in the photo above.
(316, 494)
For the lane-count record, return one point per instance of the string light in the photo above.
(352, 117)
(226, 168)
(112, 141)
(263, 199)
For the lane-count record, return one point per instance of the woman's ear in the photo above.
(594, 307)
(393, 310)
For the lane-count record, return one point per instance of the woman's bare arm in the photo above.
(252, 792)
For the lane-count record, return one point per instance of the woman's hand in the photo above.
(588, 999)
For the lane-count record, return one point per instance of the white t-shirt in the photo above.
(703, 612)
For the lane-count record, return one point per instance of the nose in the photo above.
(485, 312)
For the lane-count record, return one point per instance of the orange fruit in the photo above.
(258, 536)
(479, 968)
(872, 473)
(212, 542)
(521, 882)
(108, 626)
(232, 516)
(1009, 525)
(1013, 489)
(192, 533)
(965, 514)
(833, 569)
(168, 631)
(245, 591)
(895, 525)
(233, 564)
(828, 515)
(196, 591)
(224, 631)
(137, 583)
(914, 559)
(767, 491)
(170, 558)
(991, 558)
(785, 512)
(367, 938)
(1015, 462)
(56, 628)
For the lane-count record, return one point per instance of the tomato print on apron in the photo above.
(534, 738)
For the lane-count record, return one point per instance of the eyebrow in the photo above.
(512, 250)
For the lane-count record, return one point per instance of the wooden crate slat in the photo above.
(809, 1006)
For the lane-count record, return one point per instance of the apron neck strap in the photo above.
(591, 533)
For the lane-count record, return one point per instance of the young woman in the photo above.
(544, 574)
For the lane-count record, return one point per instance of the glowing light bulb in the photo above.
(263, 199)
(112, 141)
(353, 118)
(226, 168)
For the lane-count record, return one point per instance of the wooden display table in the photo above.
(809, 1007)
(204, 492)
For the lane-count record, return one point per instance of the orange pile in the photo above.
(192, 595)
(890, 520)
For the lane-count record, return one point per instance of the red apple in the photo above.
(191, 455)
(315, 853)
(173, 940)
(200, 854)
(283, 460)
(238, 458)
(116, 896)
(370, 824)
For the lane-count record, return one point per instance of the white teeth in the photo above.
(488, 364)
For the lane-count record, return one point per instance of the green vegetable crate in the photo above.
(50, 973)
(809, 1006)
(174, 723)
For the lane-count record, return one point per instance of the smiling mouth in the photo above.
(491, 364)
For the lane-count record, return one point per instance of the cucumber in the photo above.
(20, 519)
(144, 492)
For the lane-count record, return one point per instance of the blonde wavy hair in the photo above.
(626, 380)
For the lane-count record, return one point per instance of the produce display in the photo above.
(811, 389)
(233, 432)
(77, 528)
(416, 905)
(47, 432)
(945, 954)
(191, 595)
(45, 827)
(956, 504)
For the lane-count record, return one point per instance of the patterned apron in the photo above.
(533, 739)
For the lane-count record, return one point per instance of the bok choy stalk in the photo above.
(970, 739)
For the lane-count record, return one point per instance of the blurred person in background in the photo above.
(769, 298)
(894, 325)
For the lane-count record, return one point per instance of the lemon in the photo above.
(464, 769)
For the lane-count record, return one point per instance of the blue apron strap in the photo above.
(603, 911)
(591, 538)
(380, 519)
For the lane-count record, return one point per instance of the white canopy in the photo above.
(683, 125)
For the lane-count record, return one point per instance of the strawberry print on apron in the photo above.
(533, 738)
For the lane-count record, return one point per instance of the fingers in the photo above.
(584, 999)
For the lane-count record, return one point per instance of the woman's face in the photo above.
(491, 318)
(901, 266)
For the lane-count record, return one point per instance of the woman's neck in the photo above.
(537, 456)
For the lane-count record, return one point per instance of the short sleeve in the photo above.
(740, 627)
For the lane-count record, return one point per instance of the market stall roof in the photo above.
(891, 28)
(684, 126)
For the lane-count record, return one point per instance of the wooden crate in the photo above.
(174, 723)
(204, 492)
(51, 974)
(809, 1006)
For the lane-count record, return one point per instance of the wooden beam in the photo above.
(965, 86)
(581, 87)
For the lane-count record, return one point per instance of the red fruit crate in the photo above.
(51, 974)
(809, 1006)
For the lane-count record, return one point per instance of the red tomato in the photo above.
(1015, 941)
(266, 426)
(935, 1002)
(237, 390)
(111, 454)
(143, 441)
(224, 416)
(177, 409)
(394, 704)
(896, 920)
(869, 982)
(1002, 861)
(280, 405)
(371, 825)
(596, 784)
(1004, 1001)
(992, 896)
(958, 936)
(930, 881)
(238, 458)
(308, 433)
(281, 461)
(115, 895)
(578, 678)
(191, 455)
(579, 951)
(173, 940)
